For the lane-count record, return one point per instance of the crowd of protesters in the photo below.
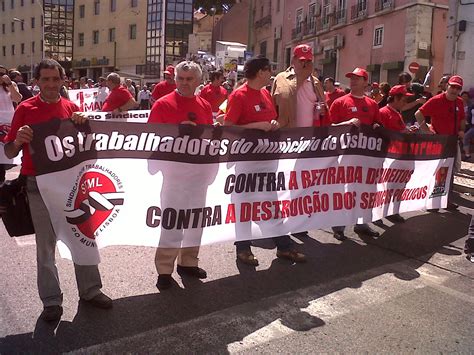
(295, 97)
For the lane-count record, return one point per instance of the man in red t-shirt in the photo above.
(332, 92)
(166, 86)
(355, 109)
(390, 116)
(251, 106)
(446, 111)
(214, 93)
(119, 98)
(179, 107)
(447, 117)
(46, 106)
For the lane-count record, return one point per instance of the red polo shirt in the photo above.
(118, 97)
(349, 106)
(332, 96)
(247, 105)
(215, 95)
(32, 111)
(391, 119)
(442, 113)
(161, 89)
(174, 108)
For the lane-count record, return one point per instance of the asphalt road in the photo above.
(409, 291)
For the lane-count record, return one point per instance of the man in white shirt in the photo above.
(144, 98)
(103, 90)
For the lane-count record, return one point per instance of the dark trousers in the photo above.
(2, 173)
(283, 243)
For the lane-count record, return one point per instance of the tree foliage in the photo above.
(214, 6)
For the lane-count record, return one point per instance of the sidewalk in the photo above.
(464, 180)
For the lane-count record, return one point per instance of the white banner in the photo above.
(88, 99)
(175, 186)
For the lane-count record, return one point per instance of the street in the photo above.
(408, 291)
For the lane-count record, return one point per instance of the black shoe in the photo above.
(164, 281)
(339, 236)
(51, 313)
(433, 210)
(369, 232)
(396, 218)
(193, 271)
(300, 234)
(100, 301)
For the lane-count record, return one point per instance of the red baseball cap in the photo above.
(455, 80)
(399, 90)
(358, 72)
(375, 85)
(303, 52)
(169, 70)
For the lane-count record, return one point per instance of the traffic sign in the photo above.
(413, 67)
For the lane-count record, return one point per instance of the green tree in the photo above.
(214, 6)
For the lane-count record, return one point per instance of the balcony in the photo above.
(323, 24)
(298, 32)
(263, 21)
(340, 17)
(384, 5)
(359, 12)
(310, 30)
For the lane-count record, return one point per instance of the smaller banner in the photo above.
(5, 124)
(89, 99)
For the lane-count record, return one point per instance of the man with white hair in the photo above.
(119, 98)
(180, 107)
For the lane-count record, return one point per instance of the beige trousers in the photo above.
(165, 258)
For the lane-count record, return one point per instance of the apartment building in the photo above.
(93, 37)
(382, 36)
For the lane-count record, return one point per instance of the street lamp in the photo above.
(16, 19)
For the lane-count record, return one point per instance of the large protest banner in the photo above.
(5, 124)
(118, 183)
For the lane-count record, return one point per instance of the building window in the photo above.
(42, 21)
(22, 48)
(113, 5)
(95, 37)
(3, 5)
(81, 39)
(111, 34)
(133, 32)
(4, 50)
(134, 3)
(22, 2)
(96, 7)
(378, 36)
(13, 49)
(263, 48)
(361, 5)
(3, 28)
(299, 20)
(82, 11)
(12, 4)
(13, 26)
(32, 22)
(278, 6)
(32, 47)
(22, 25)
(312, 16)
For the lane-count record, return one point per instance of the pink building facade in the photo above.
(382, 36)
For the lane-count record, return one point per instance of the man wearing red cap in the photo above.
(297, 94)
(447, 116)
(355, 109)
(166, 86)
